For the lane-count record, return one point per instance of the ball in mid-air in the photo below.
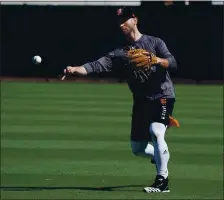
(37, 59)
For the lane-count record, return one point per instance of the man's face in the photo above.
(128, 25)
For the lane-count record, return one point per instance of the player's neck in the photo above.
(134, 36)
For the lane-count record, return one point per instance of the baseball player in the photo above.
(146, 63)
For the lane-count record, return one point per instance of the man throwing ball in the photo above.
(146, 63)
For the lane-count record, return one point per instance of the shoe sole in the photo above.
(164, 191)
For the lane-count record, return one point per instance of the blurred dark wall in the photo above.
(75, 35)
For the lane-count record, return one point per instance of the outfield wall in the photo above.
(66, 35)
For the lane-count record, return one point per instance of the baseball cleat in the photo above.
(160, 185)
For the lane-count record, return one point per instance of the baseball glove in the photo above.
(141, 58)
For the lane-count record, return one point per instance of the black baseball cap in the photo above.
(125, 13)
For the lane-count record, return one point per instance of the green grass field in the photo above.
(71, 141)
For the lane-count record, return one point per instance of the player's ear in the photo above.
(136, 20)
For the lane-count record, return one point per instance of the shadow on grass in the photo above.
(38, 188)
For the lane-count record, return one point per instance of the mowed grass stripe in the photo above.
(206, 130)
(181, 157)
(62, 97)
(106, 136)
(80, 88)
(106, 95)
(70, 102)
(98, 98)
(52, 114)
(119, 133)
(55, 110)
(107, 132)
(102, 104)
(102, 145)
(72, 129)
(62, 110)
(71, 87)
(94, 132)
(66, 119)
(111, 167)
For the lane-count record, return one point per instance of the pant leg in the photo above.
(142, 148)
(141, 114)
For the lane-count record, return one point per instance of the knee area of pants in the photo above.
(156, 134)
(137, 153)
(157, 130)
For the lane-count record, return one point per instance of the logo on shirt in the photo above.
(143, 74)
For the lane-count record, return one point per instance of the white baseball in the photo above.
(37, 59)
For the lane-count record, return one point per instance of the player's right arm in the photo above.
(103, 64)
(80, 70)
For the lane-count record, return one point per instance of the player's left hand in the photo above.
(141, 57)
(150, 57)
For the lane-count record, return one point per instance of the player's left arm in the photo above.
(164, 57)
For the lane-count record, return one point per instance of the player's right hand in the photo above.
(69, 70)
